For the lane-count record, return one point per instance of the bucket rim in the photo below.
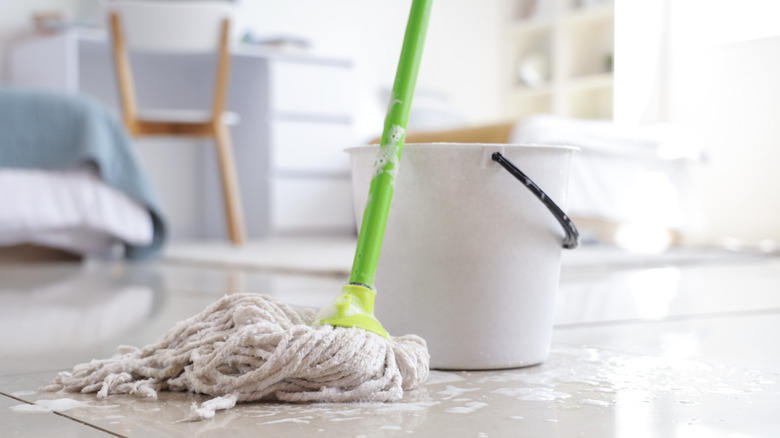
(452, 145)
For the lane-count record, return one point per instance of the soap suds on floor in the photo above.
(533, 394)
(407, 407)
(256, 414)
(347, 412)
(453, 391)
(594, 402)
(437, 377)
(302, 420)
(469, 408)
(335, 420)
(390, 427)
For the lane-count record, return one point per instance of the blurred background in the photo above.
(671, 102)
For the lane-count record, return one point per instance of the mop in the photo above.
(250, 347)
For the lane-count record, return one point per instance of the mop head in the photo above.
(248, 347)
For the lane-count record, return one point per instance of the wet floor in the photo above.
(649, 347)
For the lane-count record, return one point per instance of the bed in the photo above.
(625, 183)
(70, 180)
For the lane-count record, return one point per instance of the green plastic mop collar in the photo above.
(355, 308)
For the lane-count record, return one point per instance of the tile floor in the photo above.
(656, 347)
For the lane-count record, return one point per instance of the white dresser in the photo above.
(297, 116)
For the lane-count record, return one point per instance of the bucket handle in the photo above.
(572, 239)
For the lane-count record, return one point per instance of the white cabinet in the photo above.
(308, 146)
(297, 113)
(559, 58)
(310, 204)
(309, 123)
(301, 87)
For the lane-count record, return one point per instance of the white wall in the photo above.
(641, 61)
(460, 59)
(710, 66)
(16, 21)
(724, 83)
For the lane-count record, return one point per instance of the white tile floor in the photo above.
(677, 347)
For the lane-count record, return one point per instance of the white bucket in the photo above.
(471, 258)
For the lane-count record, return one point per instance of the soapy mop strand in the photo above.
(248, 347)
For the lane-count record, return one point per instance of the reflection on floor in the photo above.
(681, 345)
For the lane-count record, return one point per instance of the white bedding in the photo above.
(71, 209)
(624, 175)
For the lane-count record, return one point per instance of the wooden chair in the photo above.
(181, 28)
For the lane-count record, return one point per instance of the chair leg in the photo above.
(230, 189)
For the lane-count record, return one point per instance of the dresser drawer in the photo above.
(311, 204)
(310, 146)
(299, 88)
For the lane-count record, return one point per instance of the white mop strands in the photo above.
(249, 347)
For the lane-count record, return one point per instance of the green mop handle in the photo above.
(380, 195)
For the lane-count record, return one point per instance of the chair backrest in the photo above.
(171, 26)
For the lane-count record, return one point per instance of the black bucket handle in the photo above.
(572, 239)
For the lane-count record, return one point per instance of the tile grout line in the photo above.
(63, 415)
(670, 318)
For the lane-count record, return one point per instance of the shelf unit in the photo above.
(559, 58)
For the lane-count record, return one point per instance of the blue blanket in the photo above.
(49, 130)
